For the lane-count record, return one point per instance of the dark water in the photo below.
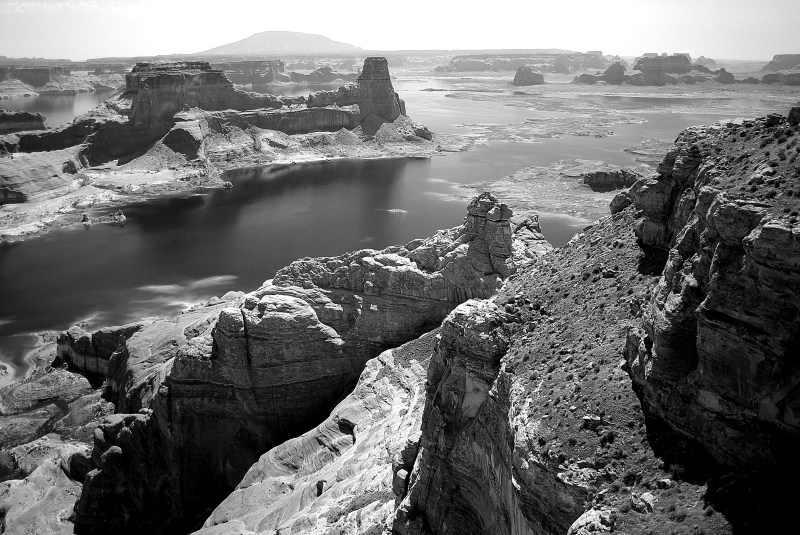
(59, 109)
(184, 249)
(180, 250)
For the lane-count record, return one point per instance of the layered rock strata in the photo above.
(715, 355)
(610, 180)
(376, 95)
(269, 365)
(339, 475)
(179, 107)
(16, 121)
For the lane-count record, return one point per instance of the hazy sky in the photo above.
(80, 29)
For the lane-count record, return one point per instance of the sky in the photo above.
(722, 29)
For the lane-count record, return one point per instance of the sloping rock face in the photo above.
(376, 94)
(715, 355)
(16, 121)
(525, 76)
(271, 364)
(530, 422)
(724, 77)
(39, 176)
(656, 70)
(615, 74)
(339, 475)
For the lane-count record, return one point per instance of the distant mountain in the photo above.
(276, 43)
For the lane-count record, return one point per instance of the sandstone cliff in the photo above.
(529, 425)
(221, 386)
(192, 115)
(714, 357)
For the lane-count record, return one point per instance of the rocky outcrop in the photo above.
(615, 74)
(16, 121)
(656, 70)
(90, 352)
(160, 90)
(346, 95)
(24, 177)
(786, 77)
(271, 364)
(339, 475)
(714, 357)
(322, 75)
(33, 76)
(525, 76)
(530, 424)
(252, 72)
(191, 115)
(724, 77)
(610, 180)
(376, 95)
(546, 61)
(782, 62)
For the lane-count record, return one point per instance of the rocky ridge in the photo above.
(223, 385)
(530, 422)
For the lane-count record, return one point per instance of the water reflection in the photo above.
(58, 109)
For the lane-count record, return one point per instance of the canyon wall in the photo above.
(235, 381)
(715, 355)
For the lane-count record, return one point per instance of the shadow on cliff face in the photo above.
(754, 502)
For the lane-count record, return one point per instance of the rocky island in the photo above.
(178, 125)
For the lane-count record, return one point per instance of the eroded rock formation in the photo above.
(610, 180)
(376, 95)
(224, 385)
(525, 76)
(782, 62)
(657, 70)
(714, 357)
(16, 121)
(183, 108)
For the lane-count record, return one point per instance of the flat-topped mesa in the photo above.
(376, 94)
(656, 70)
(258, 369)
(782, 62)
(160, 90)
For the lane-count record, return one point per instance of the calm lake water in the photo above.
(59, 109)
(180, 250)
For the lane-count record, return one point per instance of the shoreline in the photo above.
(114, 189)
